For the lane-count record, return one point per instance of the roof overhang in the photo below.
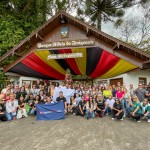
(114, 46)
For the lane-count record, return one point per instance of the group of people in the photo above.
(97, 100)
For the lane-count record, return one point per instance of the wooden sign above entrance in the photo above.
(70, 43)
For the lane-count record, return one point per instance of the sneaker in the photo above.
(139, 121)
(121, 119)
(148, 120)
(107, 114)
(113, 118)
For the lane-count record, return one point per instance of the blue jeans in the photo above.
(108, 110)
(10, 116)
(89, 114)
(148, 116)
(127, 108)
(31, 112)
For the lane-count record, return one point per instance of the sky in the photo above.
(109, 27)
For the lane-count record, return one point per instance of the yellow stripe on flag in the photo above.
(81, 61)
(52, 62)
(121, 67)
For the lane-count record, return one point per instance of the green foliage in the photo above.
(18, 19)
(10, 33)
(97, 11)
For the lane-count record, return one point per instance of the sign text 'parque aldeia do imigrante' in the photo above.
(72, 43)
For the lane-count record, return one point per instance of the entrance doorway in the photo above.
(115, 81)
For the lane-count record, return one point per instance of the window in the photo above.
(116, 81)
(142, 80)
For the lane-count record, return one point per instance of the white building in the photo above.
(133, 77)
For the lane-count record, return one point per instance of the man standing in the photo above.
(34, 90)
(62, 98)
(140, 93)
(38, 84)
(132, 91)
(148, 92)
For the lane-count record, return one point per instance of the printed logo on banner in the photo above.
(48, 112)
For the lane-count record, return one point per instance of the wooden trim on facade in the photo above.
(103, 40)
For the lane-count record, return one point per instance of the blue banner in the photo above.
(53, 111)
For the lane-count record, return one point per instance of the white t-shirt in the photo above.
(110, 102)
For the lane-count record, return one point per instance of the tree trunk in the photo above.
(99, 21)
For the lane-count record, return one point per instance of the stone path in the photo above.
(74, 133)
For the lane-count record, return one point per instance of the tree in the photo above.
(137, 30)
(21, 17)
(96, 11)
(68, 6)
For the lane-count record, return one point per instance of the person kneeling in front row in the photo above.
(81, 108)
(117, 110)
(109, 104)
(11, 107)
(90, 105)
(100, 106)
(22, 112)
(145, 109)
(2, 110)
(137, 112)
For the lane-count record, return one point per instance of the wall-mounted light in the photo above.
(63, 20)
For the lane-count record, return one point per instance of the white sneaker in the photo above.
(113, 118)
(148, 120)
(121, 119)
(124, 115)
(139, 121)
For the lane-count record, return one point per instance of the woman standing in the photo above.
(119, 93)
(7, 96)
(126, 102)
(87, 97)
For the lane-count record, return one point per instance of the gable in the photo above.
(78, 30)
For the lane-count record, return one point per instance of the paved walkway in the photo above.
(74, 133)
